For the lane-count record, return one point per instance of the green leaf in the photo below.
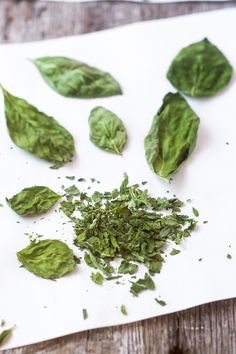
(200, 69)
(36, 132)
(195, 212)
(72, 78)
(5, 334)
(85, 314)
(107, 130)
(172, 136)
(33, 201)
(49, 259)
(142, 284)
(97, 278)
(127, 268)
(123, 309)
(160, 302)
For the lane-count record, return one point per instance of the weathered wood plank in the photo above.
(29, 20)
(207, 329)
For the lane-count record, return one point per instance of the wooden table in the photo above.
(204, 329)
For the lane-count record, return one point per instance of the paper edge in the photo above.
(91, 328)
(128, 25)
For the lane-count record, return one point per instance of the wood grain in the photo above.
(207, 329)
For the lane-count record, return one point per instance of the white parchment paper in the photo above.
(138, 56)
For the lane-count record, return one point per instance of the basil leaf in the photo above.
(36, 132)
(49, 259)
(142, 284)
(172, 136)
(72, 78)
(33, 201)
(107, 130)
(5, 334)
(200, 69)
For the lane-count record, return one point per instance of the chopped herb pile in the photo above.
(128, 224)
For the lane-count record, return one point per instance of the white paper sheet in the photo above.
(138, 56)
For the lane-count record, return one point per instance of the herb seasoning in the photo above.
(128, 224)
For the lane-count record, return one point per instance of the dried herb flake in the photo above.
(123, 310)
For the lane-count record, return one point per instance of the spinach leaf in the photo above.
(142, 284)
(107, 130)
(33, 201)
(36, 132)
(49, 259)
(72, 78)
(200, 69)
(172, 136)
